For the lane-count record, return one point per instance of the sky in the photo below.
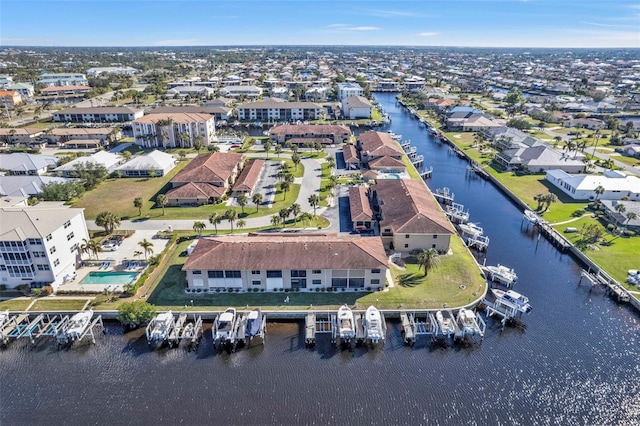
(474, 23)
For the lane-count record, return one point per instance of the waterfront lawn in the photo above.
(55, 304)
(14, 304)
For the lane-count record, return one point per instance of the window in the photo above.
(3, 268)
(256, 282)
(215, 274)
(375, 282)
(255, 272)
(232, 274)
(67, 224)
(196, 272)
(70, 236)
(433, 246)
(316, 282)
(56, 262)
(316, 271)
(406, 246)
(375, 271)
(298, 283)
(406, 235)
(49, 237)
(298, 273)
(34, 241)
(52, 250)
(43, 267)
(435, 236)
(74, 247)
(274, 274)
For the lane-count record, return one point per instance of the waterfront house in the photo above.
(409, 217)
(287, 262)
(155, 163)
(616, 185)
(379, 151)
(20, 163)
(206, 179)
(39, 245)
(539, 159)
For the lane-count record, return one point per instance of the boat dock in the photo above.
(456, 213)
(25, 326)
(444, 196)
(440, 325)
(320, 323)
(426, 174)
(166, 328)
(507, 312)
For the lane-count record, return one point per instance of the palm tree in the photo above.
(231, 215)
(199, 226)
(620, 208)
(428, 259)
(284, 214)
(242, 201)
(540, 199)
(108, 221)
(631, 216)
(314, 200)
(596, 138)
(275, 220)
(284, 187)
(257, 200)
(147, 246)
(241, 223)
(550, 199)
(215, 219)
(306, 218)
(278, 150)
(557, 140)
(137, 203)
(331, 163)
(295, 157)
(90, 247)
(599, 191)
(295, 211)
(162, 201)
(267, 147)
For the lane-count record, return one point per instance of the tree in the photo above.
(90, 247)
(257, 200)
(162, 201)
(631, 216)
(549, 199)
(314, 200)
(182, 154)
(275, 221)
(278, 150)
(63, 191)
(108, 221)
(231, 215)
(599, 190)
(295, 157)
(215, 219)
(428, 259)
(540, 199)
(284, 187)
(199, 226)
(514, 101)
(241, 223)
(284, 214)
(198, 143)
(147, 247)
(295, 210)
(620, 208)
(596, 138)
(331, 163)
(242, 201)
(135, 314)
(137, 203)
(557, 140)
(306, 218)
(213, 148)
(267, 147)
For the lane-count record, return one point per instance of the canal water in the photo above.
(576, 361)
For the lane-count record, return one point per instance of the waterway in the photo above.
(577, 360)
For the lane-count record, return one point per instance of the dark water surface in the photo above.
(577, 361)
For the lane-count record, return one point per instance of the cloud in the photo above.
(178, 42)
(598, 24)
(428, 34)
(347, 27)
(395, 13)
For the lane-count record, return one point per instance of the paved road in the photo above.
(309, 185)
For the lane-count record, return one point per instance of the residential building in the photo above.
(350, 155)
(26, 90)
(63, 79)
(153, 164)
(326, 134)
(220, 113)
(65, 90)
(248, 178)
(317, 94)
(287, 262)
(362, 217)
(26, 186)
(9, 99)
(355, 107)
(107, 159)
(39, 245)
(173, 130)
(539, 159)
(409, 217)
(94, 72)
(97, 115)
(439, 104)
(19, 163)
(379, 151)
(22, 135)
(346, 90)
(251, 92)
(195, 91)
(206, 179)
(271, 110)
(620, 218)
(62, 135)
(5, 80)
(616, 185)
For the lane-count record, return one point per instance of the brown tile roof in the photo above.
(386, 161)
(71, 131)
(177, 117)
(215, 167)
(283, 252)
(379, 143)
(310, 129)
(359, 204)
(350, 155)
(249, 176)
(20, 131)
(193, 190)
(408, 207)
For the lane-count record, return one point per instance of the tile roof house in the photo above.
(350, 155)
(248, 178)
(362, 217)
(379, 151)
(409, 216)
(205, 179)
(287, 261)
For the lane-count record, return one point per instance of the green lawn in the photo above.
(14, 304)
(441, 286)
(629, 161)
(59, 304)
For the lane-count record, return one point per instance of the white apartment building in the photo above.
(63, 79)
(277, 110)
(173, 130)
(346, 90)
(39, 245)
(97, 115)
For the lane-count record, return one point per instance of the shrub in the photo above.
(577, 213)
(36, 292)
(317, 290)
(629, 233)
(368, 288)
(135, 314)
(47, 290)
(611, 227)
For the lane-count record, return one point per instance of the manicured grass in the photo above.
(58, 304)
(629, 161)
(441, 286)
(14, 304)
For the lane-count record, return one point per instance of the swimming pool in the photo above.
(389, 176)
(109, 278)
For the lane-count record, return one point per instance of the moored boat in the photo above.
(254, 323)
(224, 325)
(502, 275)
(446, 325)
(159, 327)
(531, 216)
(346, 329)
(373, 325)
(512, 298)
(78, 324)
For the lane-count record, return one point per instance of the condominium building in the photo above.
(172, 130)
(97, 114)
(63, 79)
(277, 110)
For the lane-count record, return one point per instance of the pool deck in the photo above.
(76, 284)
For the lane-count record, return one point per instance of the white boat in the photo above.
(254, 323)
(4, 317)
(502, 274)
(446, 325)
(373, 325)
(512, 298)
(224, 325)
(531, 216)
(346, 329)
(159, 327)
(471, 229)
(467, 320)
(78, 324)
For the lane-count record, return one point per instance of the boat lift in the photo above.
(481, 242)
(477, 327)
(508, 312)
(414, 326)
(60, 331)
(444, 196)
(320, 323)
(426, 174)
(235, 336)
(455, 212)
(191, 333)
(175, 332)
